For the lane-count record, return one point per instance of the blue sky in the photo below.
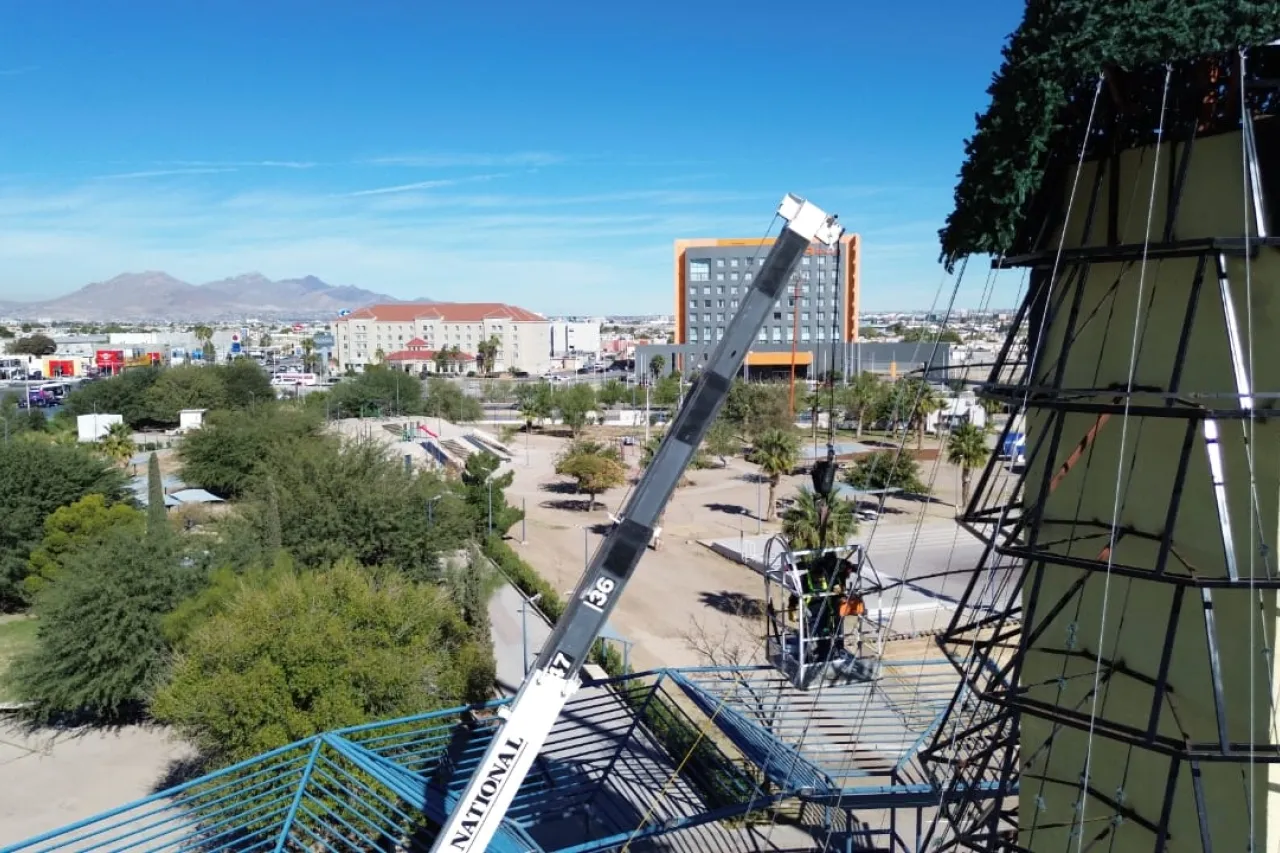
(478, 151)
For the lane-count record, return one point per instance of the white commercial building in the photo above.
(575, 337)
(378, 332)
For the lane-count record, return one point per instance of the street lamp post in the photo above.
(524, 629)
(759, 506)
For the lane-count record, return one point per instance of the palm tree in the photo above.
(487, 354)
(802, 523)
(777, 453)
(967, 447)
(204, 334)
(656, 365)
(309, 351)
(117, 445)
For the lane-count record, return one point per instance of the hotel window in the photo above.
(706, 290)
(804, 261)
(693, 303)
(719, 290)
(804, 333)
(777, 315)
(719, 303)
(804, 289)
(822, 333)
(804, 316)
(791, 319)
(733, 303)
(804, 303)
(734, 290)
(720, 318)
(763, 334)
(706, 303)
(699, 270)
(822, 317)
(719, 276)
(747, 276)
(733, 276)
(693, 335)
(706, 334)
(720, 262)
(759, 262)
(790, 334)
(706, 318)
(777, 334)
(719, 332)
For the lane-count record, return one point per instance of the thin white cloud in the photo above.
(241, 164)
(424, 185)
(593, 252)
(475, 160)
(163, 173)
(18, 71)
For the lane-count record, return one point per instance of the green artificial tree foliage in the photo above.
(100, 650)
(295, 654)
(157, 512)
(36, 479)
(1046, 83)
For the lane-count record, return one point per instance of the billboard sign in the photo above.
(324, 340)
(235, 343)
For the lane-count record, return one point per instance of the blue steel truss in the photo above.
(630, 759)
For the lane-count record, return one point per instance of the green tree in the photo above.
(612, 393)
(657, 364)
(298, 654)
(36, 479)
(535, 402)
(126, 395)
(341, 500)
(446, 399)
(921, 334)
(722, 441)
(245, 385)
(117, 443)
(272, 538)
(967, 448)
(75, 527)
(378, 390)
(100, 650)
(487, 354)
(860, 398)
(574, 403)
(887, 469)
(666, 391)
(157, 512)
(6, 333)
(186, 387)
(802, 523)
(483, 491)
(37, 345)
(758, 407)
(777, 453)
(593, 467)
(225, 455)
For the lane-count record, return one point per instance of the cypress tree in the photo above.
(157, 514)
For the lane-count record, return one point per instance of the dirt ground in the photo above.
(683, 589)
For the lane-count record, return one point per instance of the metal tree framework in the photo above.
(1126, 691)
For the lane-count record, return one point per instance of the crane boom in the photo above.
(475, 817)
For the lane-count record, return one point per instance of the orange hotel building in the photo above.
(819, 307)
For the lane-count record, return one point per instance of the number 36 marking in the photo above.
(598, 596)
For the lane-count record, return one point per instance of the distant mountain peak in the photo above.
(154, 295)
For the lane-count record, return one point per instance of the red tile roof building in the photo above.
(409, 330)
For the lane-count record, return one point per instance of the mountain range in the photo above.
(159, 297)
